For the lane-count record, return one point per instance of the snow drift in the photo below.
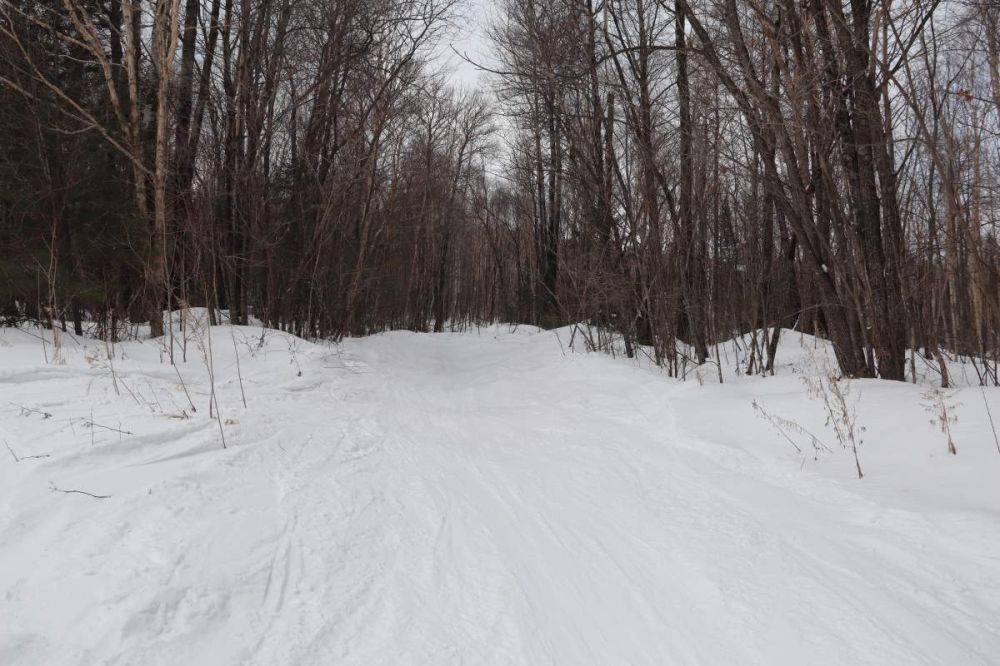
(480, 497)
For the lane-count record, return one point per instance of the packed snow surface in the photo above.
(486, 497)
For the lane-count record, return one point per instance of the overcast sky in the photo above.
(468, 37)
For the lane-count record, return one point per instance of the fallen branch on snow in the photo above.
(18, 458)
(56, 489)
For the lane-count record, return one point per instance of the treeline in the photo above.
(701, 168)
(292, 159)
(670, 170)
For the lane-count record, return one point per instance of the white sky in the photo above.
(468, 37)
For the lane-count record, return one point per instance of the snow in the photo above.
(493, 496)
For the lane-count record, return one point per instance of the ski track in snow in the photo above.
(457, 498)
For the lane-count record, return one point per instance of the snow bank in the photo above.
(482, 497)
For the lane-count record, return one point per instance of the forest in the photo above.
(573, 332)
(673, 172)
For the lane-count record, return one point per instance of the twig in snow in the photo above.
(91, 424)
(202, 334)
(55, 489)
(183, 385)
(783, 425)
(293, 354)
(155, 399)
(34, 335)
(26, 411)
(18, 458)
(757, 407)
(939, 403)
(35, 457)
(130, 391)
(239, 373)
(563, 349)
(834, 393)
(990, 415)
(93, 358)
(218, 418)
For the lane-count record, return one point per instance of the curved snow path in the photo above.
(461, 499)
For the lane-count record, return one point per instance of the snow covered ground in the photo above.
(482, 497)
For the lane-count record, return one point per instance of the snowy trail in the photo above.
(477, 499)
